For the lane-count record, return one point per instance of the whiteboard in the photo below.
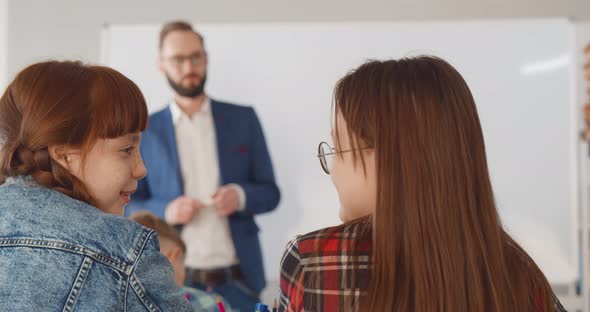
(520, 72)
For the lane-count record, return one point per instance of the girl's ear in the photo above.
(67, 156)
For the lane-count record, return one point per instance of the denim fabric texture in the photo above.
(60, 254)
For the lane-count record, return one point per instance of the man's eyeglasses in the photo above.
(194, 59)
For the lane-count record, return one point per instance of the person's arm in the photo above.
(291, 282)
(261, 192)
(151, 284)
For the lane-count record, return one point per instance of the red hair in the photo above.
(64, 103)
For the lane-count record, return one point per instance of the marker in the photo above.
(261, 308)
(220, 304)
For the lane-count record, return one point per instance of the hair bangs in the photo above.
(118, 105)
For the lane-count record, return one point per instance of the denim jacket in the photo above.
(60, 254)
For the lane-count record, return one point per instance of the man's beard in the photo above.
(190, 92)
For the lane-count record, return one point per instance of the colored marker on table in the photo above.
(220, 304)
(261, 308)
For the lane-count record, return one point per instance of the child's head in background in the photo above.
(171, 245)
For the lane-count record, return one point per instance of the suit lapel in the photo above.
(169, 144)
(222, 126)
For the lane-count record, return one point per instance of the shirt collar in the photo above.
(177, 113)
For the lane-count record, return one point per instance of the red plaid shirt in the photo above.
(328, 270)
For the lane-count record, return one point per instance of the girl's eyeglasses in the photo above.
(326, 153)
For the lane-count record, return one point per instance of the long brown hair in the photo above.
(64, 103)
(438, 243)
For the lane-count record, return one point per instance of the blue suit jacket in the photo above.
(243, 159)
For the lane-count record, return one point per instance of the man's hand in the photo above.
(226, 200)
(182, 210)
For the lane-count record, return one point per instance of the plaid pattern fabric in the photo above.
(318, 273)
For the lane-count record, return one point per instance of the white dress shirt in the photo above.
(207, 236)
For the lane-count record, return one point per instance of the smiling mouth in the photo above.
(127, 195)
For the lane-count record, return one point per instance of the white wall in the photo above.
(71, 29)
(3, 43)
(582, 39)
